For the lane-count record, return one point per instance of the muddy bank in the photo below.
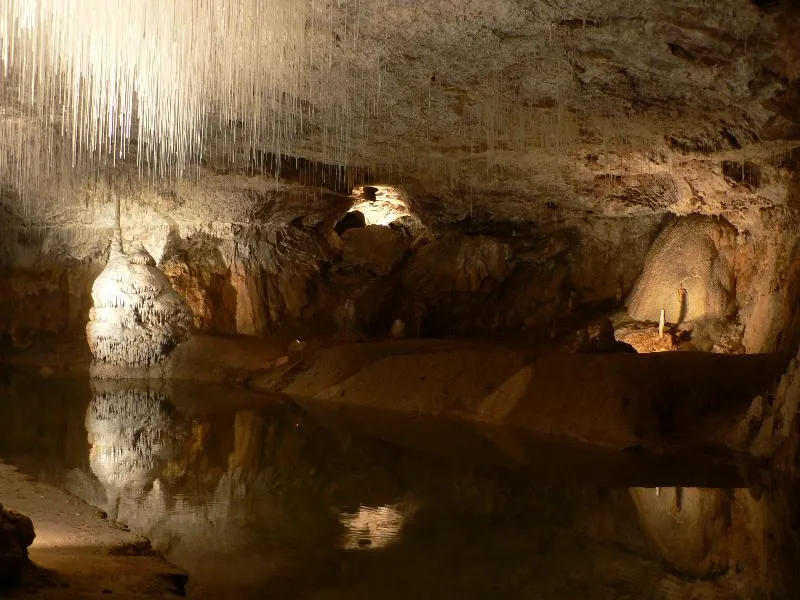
(618, 400)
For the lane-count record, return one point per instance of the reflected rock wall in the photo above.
(685, 525)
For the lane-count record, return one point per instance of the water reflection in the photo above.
(132, 434)
(373, 528)
(264, 497)
(689, 526)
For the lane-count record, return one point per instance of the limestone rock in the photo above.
(353, 219)
(600, 339)
(137, 317)
(458, 263)
(198, 271)
(16, 534)
(645, 339)
(375, 247)
(689, 272)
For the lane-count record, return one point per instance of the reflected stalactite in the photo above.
(132, 433)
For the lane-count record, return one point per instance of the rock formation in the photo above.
(497, 173)
(689, 272)
(398, 329)
(137, 317)
(16, 534)
(600, 339)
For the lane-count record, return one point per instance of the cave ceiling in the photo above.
(594, 103)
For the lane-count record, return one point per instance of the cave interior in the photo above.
(575, 220)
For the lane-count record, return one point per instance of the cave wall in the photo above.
(260, 256)
(542, 156)
(278, 267)
(768, 281)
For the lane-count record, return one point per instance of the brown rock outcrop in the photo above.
(375, 248)
(458, 264)
(16, 534)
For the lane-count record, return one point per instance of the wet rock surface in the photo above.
(273, 265)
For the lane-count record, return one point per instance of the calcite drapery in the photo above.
(137, 319)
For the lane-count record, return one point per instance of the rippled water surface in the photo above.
(264, 497)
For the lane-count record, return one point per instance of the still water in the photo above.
(266, 497)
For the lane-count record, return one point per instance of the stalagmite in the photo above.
(571, 301)
(398, 329)
(661, 324)
(419, 314)
(137, 317)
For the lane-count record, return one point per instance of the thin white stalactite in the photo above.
(169, 76)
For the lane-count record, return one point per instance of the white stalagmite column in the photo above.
(661, 324)
(137, 319)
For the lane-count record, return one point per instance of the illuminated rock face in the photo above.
(137, 317)
(689, 272)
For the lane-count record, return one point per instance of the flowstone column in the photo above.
(137, 319)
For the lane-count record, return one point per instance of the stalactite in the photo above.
(165, 78)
